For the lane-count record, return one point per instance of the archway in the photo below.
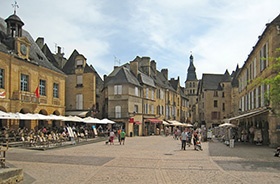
(3, 122)
(42, 123)
(57, 123)
(24, 123)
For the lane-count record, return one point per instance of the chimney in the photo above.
(40, 42)
(146, 65)
(104, 77)
(165, 73)
(134, 67)
(58, 49)
(154, 66)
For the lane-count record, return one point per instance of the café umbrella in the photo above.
(92, 120)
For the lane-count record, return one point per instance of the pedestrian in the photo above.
(175, 134)
(183, 139)
(119, 135)
(122, 134)
(189, 139)
(112, 135)
(195, 139)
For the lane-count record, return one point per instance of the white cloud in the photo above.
(220, 33)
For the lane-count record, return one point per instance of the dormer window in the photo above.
(79, 63)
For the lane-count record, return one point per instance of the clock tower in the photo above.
(14, 31)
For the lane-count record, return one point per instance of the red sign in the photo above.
(131, 120)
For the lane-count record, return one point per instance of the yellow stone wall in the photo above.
(17, 100)
(88, 91)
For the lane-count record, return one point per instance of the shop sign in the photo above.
(2, 93)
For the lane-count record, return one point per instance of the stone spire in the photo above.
(191, 76)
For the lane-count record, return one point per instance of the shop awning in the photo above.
(76, 113)
(249, 114)
(165, 123)
(137, 122)
(154, 120)
(175, 123)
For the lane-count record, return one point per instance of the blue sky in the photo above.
(220, 33)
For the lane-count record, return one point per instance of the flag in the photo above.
(37, 92)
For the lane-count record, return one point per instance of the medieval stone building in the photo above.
(24, 70)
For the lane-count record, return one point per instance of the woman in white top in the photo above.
(112, 135)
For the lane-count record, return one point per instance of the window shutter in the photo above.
(79, 79)
(266, 51)
(115, 89)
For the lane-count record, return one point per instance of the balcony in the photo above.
(56, 101)
(25, 96)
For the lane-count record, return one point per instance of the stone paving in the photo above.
(154, 159)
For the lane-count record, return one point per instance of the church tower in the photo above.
(191, 83)
(191, 88)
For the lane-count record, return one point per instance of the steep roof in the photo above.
(121, 75)
(36, 56)
(191, 76)
(212, 81)
(69, 67)
(145, 79)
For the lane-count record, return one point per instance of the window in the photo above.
(255, 67)
(147, 92)
(152, 94)
(215, 93)
(42, 87)
(79, 80)
(152, 109)
(79, 63)
(55, 90)
(161, 94)
(215, 103)
(24, 82)
(136, 91)
(146, 108)
(224, 106)
(136, 108)
(223, 94)
(215, 115)
(1, 78)
(263, 57)
(158, 93)
(193, 84)
(118, 89)
(262, 94)
(190, 85)
(118, 112)
(79, 101)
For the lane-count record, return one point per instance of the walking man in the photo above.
(123, 134)
(184, 136)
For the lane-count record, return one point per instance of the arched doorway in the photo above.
(42, 123)
(3, 122)
(56, 123)
(24, 123)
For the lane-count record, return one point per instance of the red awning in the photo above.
(137, 122)
(154, 120)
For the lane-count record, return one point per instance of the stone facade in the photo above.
(139, 97)
(24, 68)
(254, 107)
(214, 104)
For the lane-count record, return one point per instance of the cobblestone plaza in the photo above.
(152, 159)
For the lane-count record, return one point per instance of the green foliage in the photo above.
(273, 95)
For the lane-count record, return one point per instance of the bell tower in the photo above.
(191, 82)
(14, 24)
